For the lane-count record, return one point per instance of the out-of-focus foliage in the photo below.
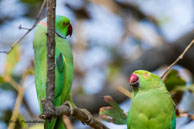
(112, 113)
(12, 59)
(21, 122)
(172, 80)
(2, 79)
(6, 83)
(7, 86)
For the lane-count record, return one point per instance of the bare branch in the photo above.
(125, 92)
(28, 30)
(13, 83)
(24, 28)
(67, 122)
(80, 114)
(179, 58)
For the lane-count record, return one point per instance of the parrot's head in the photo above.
(63, 26)
(144, 80)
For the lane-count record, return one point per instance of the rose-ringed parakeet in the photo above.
(152, 106)
(63, 61)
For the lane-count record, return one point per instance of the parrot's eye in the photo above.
(63, 24)
(146, 75)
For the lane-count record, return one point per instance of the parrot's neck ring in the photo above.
(60, 35)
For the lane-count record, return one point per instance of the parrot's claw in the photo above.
(89, 115)
(70, 107)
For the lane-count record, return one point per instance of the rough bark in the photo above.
(80, 114)
(48, 103)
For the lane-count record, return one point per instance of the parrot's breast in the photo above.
(152, 109)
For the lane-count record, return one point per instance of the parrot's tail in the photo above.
(59, 123)
(56, 123)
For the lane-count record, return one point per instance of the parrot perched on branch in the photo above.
(64, 65)
(152, 106)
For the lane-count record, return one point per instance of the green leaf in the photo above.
(7, 86)
(2, 79)
(112, 113)
(22, 122)
(12, 59)
(172, 80)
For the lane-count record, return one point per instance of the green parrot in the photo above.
(64, 65)
(152, 106)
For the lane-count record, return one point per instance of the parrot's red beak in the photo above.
(134, 80)
(70, 30)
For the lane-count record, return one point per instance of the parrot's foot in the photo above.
(68, 103)
(89, 115)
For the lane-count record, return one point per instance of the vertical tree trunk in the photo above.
(48, 103)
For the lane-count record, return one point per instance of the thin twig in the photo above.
(24, 28)
(179, 58)
(13, 83)
(28, 30)
(18, 103)
(125, 92)
(67, 122)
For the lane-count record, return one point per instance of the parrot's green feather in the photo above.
(59, 124)
(60, 63)
(63, 70)
(173, 126)
(152, 106)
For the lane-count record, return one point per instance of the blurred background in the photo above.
(111, 39)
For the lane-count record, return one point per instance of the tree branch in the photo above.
(80, 114)
(28, 30)
(179, 58)
(48, 102)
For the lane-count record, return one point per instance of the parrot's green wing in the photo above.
(60, 63)
(60, 75)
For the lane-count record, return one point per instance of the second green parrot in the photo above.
(152, 106)
(63, 61)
